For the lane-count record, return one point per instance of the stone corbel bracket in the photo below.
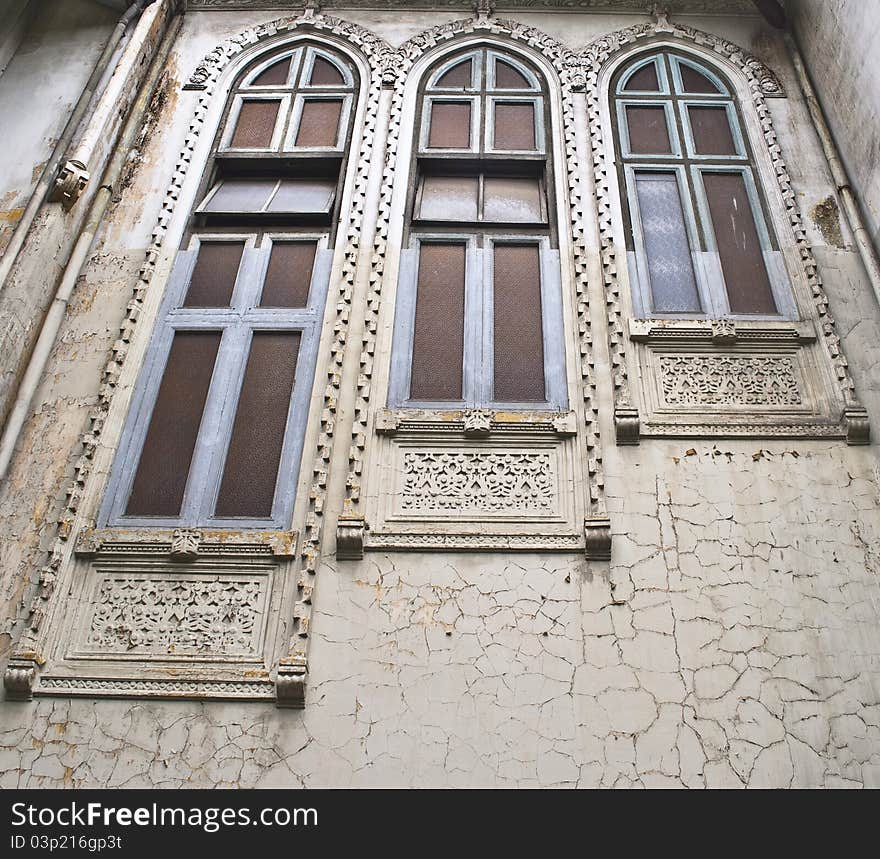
(291, 677)
(597, 536)
(70, 182)
(350, 537)
(855, 421)
(20, 675)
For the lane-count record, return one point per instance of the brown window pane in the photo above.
(512, 200)
(438, 338)
(670, 265)
(648, 133)
(644, 80)
(213, 277)
(251, 470)
(694, 81)
(711, 130)
(514, 126)
(507, 77)
(303, 196)
(449, 198)
(458, 77)
(450, 125)
(240, 195)
(163, 468)
(324, 73)
(256, 124)
(319, 124)
(289, 274)
(274, 75)
(518, 332)
(736, 237)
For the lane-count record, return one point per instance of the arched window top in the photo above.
(667, 73)
(306, 67)
(484, 70)
(483, 102)
(296, 100)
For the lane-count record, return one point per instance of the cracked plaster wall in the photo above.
(733, 640)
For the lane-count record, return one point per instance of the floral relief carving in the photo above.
(477, 481)
(698, 380)
(176, 616)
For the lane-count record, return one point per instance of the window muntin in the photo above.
(681, 269)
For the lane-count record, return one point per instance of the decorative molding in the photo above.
(69, 184)
(473, 542)
(744, 429)
(711, 7)
(185, 544)
(391, 422)
(478, 423)
(729, 381)
(723, 332)
(129, 687)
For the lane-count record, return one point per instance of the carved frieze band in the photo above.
(709, 380)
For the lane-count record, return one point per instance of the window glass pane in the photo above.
(274, 75)
(512, 200)
(694, 81)
(213, 277)
(450, 125)
(251, 470)
(518, 332)
(670, 264)
(507, 77)
(514, 126)
(648, 133)
(736, 237)
(240, 195)
(644, 80)
(449, 198)
(458, 77)
(711, 131)
(438, 338)
(256, 124)
(303, 196)
(289, 274)
(163, 468)
(324, 73)
(319, 123)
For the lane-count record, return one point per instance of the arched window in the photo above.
(698, 239)
(478, 319)
(215, 434)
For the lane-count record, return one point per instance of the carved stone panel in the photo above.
(138, 614)
(453, 491)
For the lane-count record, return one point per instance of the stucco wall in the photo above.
(732, 640)
(839, 41)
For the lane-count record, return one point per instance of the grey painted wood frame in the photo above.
(238, 322)
(477, 363)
